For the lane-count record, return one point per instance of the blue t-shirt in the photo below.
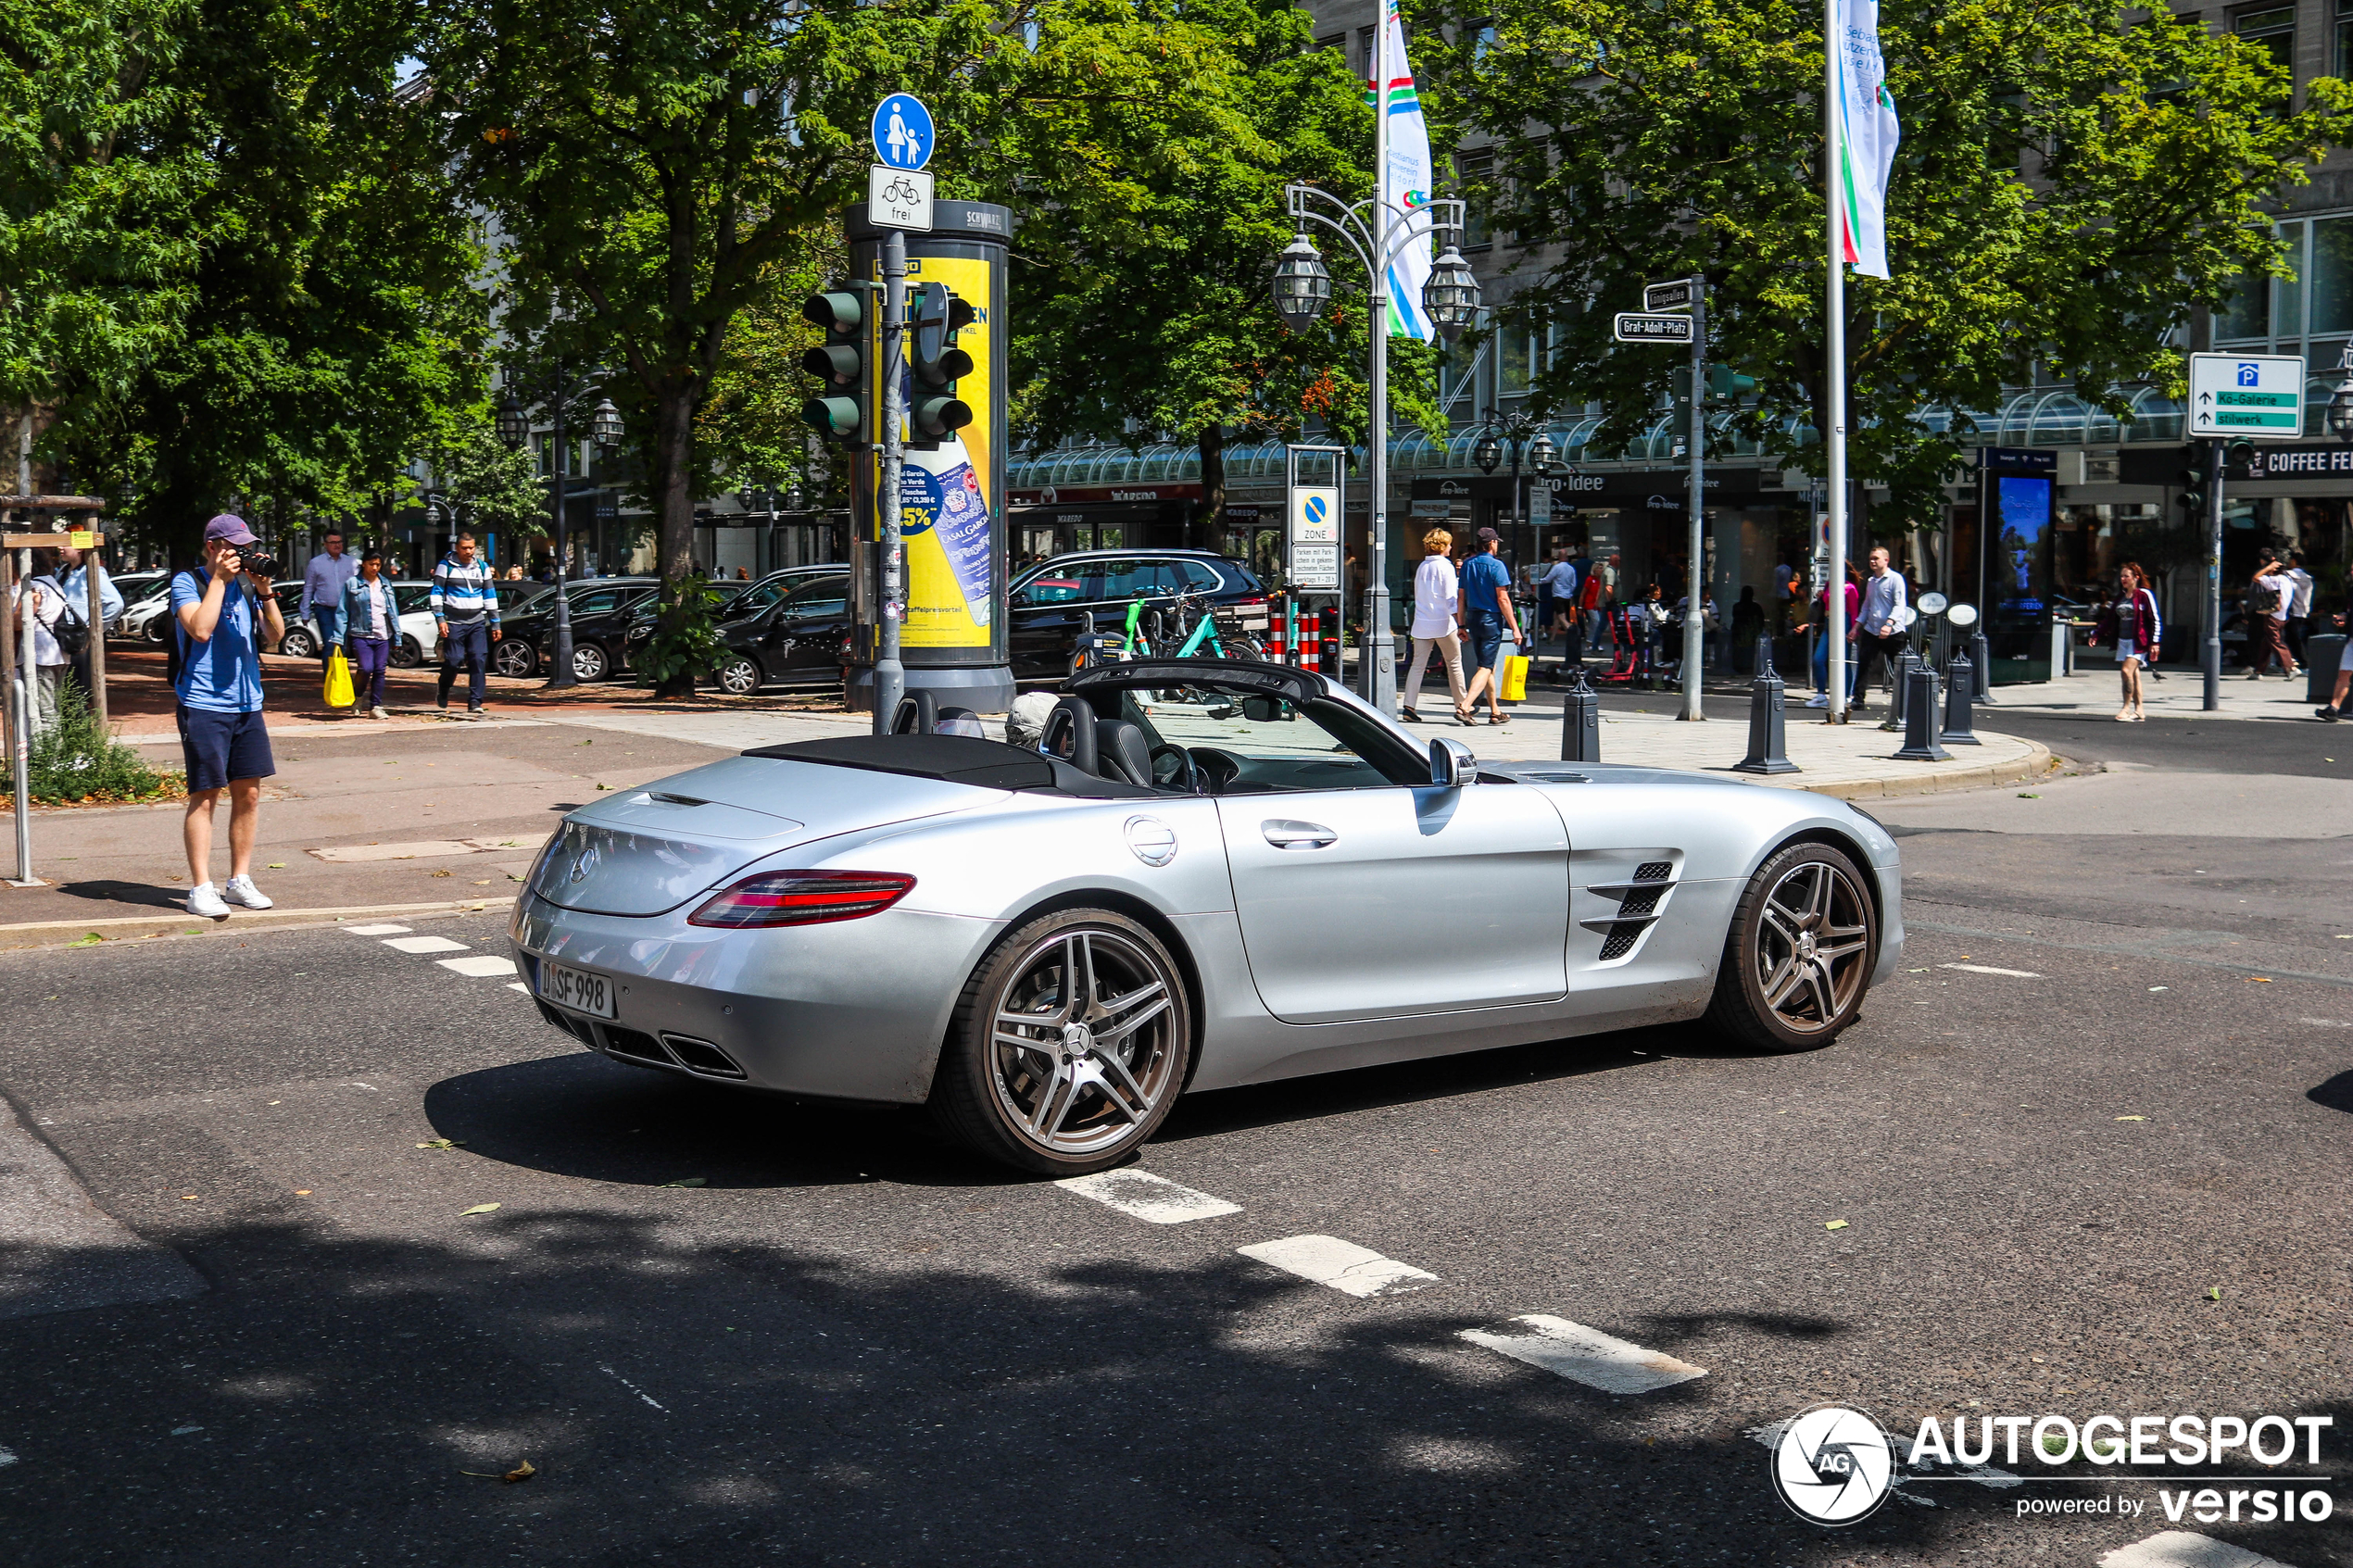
(222, 675)
(1482, 575)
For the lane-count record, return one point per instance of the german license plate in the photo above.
(576, 989)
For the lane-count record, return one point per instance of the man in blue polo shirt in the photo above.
(224, 614)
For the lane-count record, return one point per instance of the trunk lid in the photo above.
(650, 850)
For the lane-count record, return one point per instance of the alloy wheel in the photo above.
(1083, 1045)
(1812, 945)
(739, 678)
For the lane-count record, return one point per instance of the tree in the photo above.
(94, 254)
(1143, 301)
(497, 485)
(327, 328)
(2072, 182)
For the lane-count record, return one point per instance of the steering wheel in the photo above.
(1173, 769)
(1217, 770)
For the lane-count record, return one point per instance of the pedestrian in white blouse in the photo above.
(1438, 608)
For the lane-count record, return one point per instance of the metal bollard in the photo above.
(1960, 683)
(2062, 644)
(1581, 722)
(1904, 664)
(1919, 721)
(1767, 726)
(1331, 642)
(1980, 659)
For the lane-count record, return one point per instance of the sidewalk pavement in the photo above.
(2181, 694)
(428, 813)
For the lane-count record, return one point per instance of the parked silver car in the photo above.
(1207, 874)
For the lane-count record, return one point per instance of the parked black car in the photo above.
(796, 640)
(601, 608)
(738, 600)
(1049, 599)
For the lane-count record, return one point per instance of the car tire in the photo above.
(1080, 1088)
(298, 643)
(157, 627)
(741, 676)
(1782, 985)
(589, 662)
(407, 656)
(514, 656)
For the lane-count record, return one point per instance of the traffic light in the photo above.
(1722, 382)
(934, 410)
(2240, 458)
(2194, 480)
(840, 412)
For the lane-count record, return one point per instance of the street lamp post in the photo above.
(1378, 233)
(1525, 432)
(605, 429)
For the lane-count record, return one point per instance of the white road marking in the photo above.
(1344, 1265)
(425, 945)
(2182, 1548)
(518, 986)
(377, 930)
(1989, 968)
(482, 966)
(633, 1389)
(1584, 1355)
(1146, 1197)
(7, 1456)
(2000, 1480)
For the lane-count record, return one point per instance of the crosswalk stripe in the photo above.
(377, 930)
(425, 945)
(1989, 968)
(1344, 1265)
(481, 966)
(2185, 1549)
(1584, 1355)
(1146, 1197)
(518, 986)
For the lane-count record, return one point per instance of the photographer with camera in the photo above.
(224, 613)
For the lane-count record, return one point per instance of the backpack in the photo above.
(71, 632)
(2262, 599)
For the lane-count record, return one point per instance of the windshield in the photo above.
(826, 595)
(1214, 737)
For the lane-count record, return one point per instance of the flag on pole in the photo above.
(1407, 177)
(1868, 137)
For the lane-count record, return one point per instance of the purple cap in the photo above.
(1489, 533)
(230, 528)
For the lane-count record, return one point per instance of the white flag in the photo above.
(1868, 137)
(1405, 177)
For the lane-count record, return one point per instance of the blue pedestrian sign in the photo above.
(902, 132)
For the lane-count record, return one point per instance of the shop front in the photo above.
(1055, 520)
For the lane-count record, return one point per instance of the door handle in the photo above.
(1297, 836)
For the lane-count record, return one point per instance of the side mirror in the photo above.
(1452, 765)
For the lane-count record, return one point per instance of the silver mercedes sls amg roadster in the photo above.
(1204, 874)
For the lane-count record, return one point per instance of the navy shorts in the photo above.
(222, 747)
(1485, 634)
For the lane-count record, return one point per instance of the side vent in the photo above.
(1637, 907)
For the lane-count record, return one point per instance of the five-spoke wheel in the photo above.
(1799, 952)
(1070, 1044)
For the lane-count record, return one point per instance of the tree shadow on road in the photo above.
(2337, 1094)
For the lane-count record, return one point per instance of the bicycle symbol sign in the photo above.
(902, 132)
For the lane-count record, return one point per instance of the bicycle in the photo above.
(1222, 642)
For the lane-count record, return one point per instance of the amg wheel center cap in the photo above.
(1805, 945)
(1078, 1040)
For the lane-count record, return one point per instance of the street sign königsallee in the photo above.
(1636, 327)
(2249, 397)
(902, 132)
(1676, 295)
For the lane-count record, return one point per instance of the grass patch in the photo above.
(75, 761)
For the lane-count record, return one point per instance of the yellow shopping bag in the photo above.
(1515, 678)
(339, 694)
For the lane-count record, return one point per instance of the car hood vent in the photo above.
(646, 850)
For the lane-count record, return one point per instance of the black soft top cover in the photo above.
(985, 764)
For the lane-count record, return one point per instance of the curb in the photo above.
(67, 932)
(2037, 761)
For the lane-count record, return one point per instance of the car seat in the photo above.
(1122, 755)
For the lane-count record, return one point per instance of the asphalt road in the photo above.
(2112, 1180)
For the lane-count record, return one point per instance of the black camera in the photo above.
(260, 565)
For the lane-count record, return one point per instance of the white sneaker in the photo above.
(1820, 699)
(240, 890)
(204, 900)
(378, 714)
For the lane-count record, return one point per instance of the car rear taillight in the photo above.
(803, 899)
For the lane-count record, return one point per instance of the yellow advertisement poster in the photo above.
(947, 521)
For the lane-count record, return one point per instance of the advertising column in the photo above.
(952, 489)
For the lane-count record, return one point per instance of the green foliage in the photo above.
(325, 324)
(1141, 291)
(96, 270)
(498, 485)
(76, 759)
(685, 641)
(2071, 183)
